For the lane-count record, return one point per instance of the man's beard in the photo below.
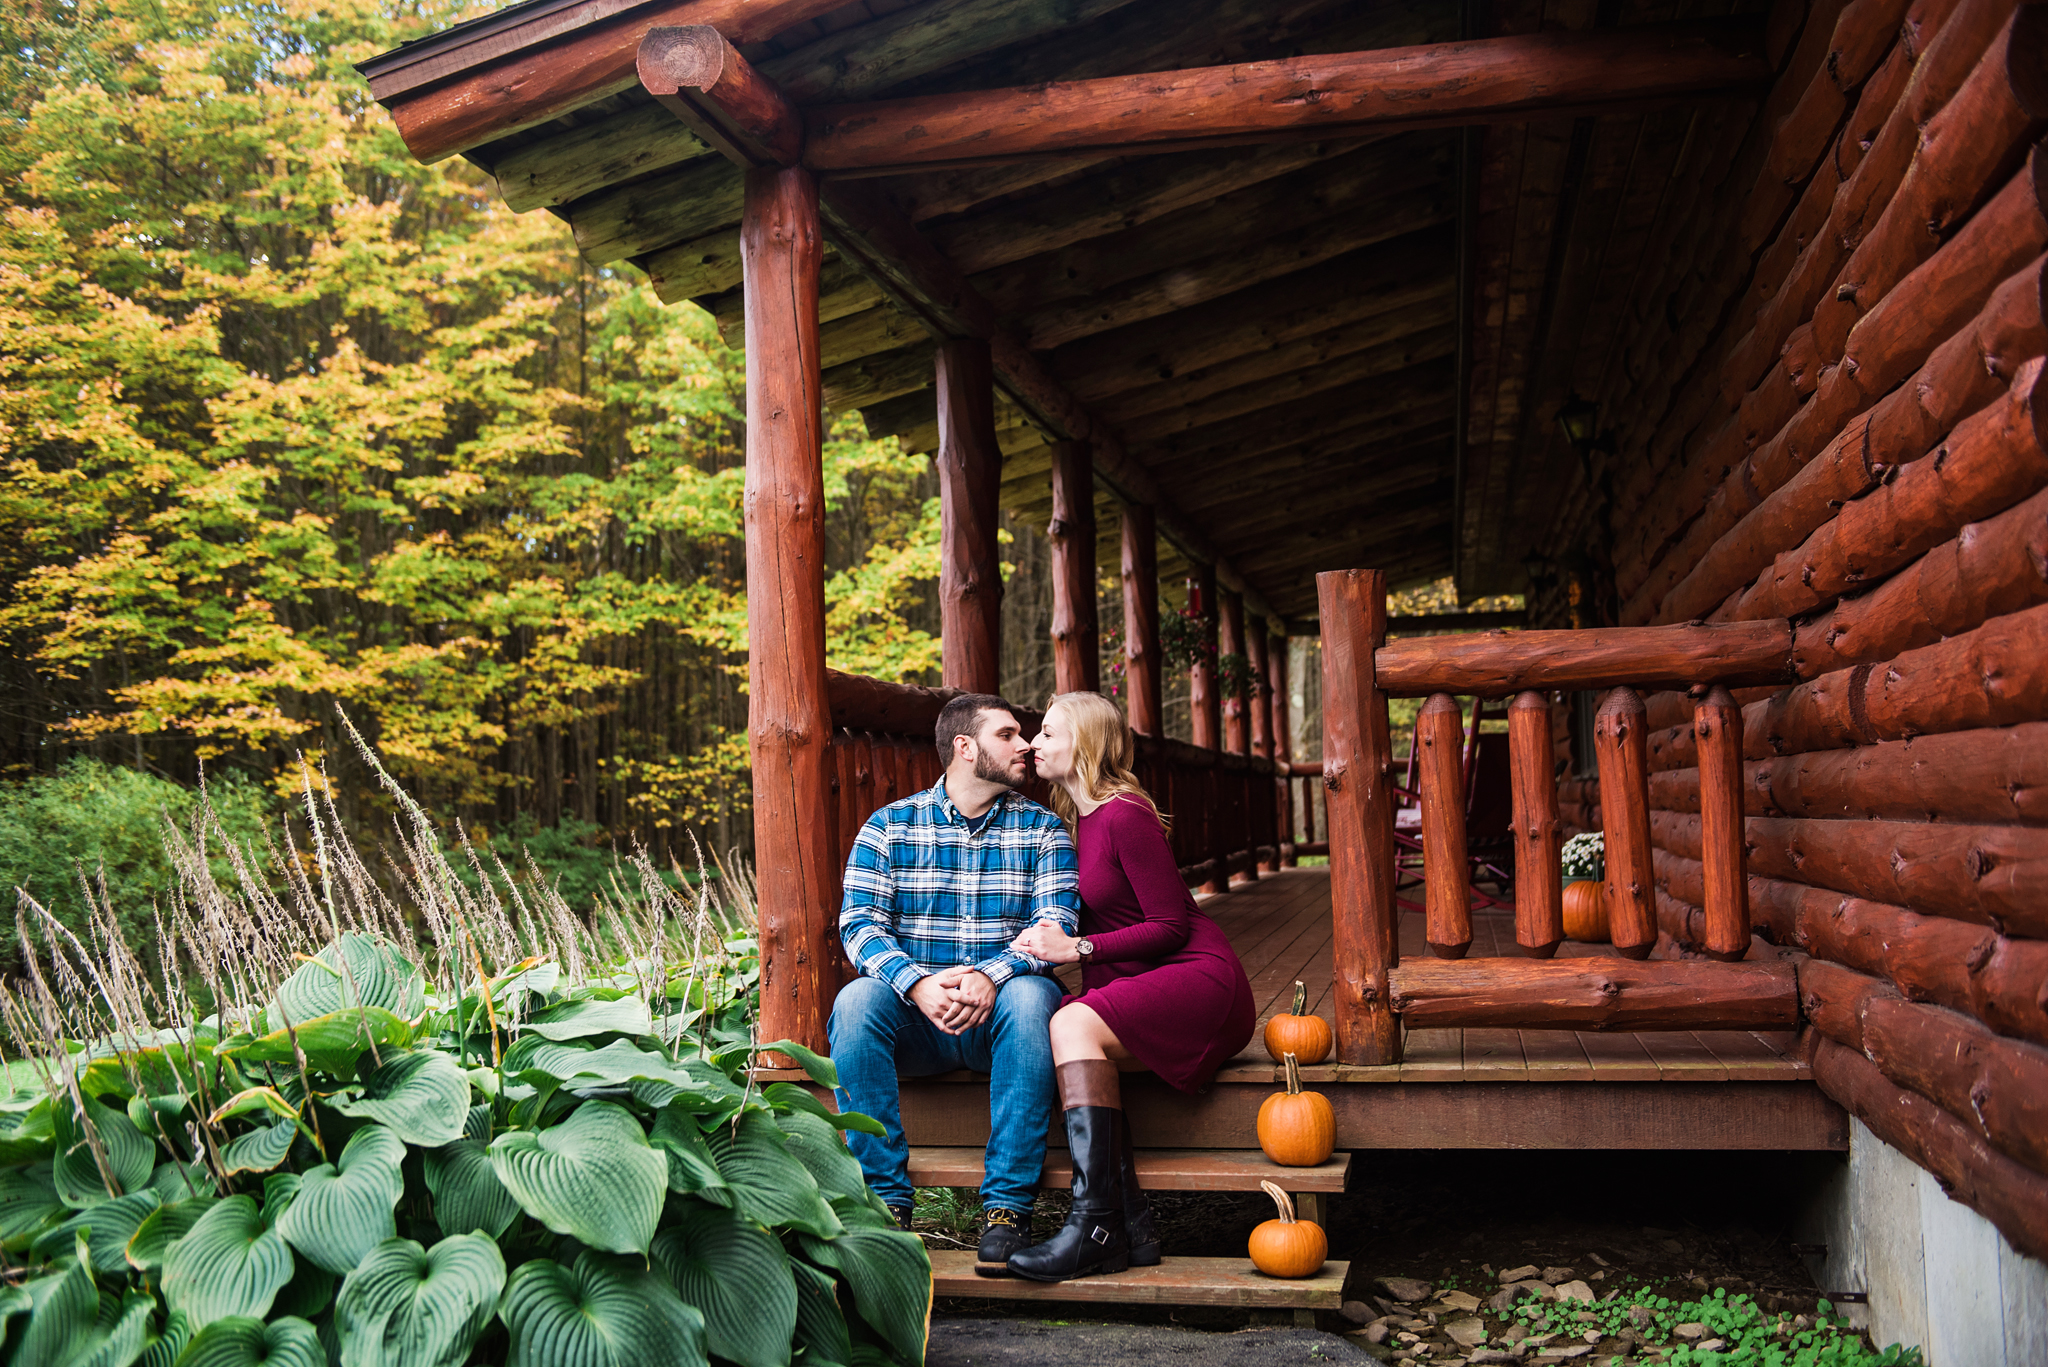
(988, 767)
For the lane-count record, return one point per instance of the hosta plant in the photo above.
(335, 1120)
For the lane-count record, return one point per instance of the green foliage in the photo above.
(517, 1139)
(1747, 1335)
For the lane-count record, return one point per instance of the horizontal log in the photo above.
(1434, 85)
(1594, 994)
(701, 79)
(1989, 569)
(1997, 1087)
(1496, 663)
(1937, 959)
(2001, 1189)
(886, 708)
(1988, 875)
(1835, 999)
(692, 201)
(704, 265)
(591, 156)
(1999, 774)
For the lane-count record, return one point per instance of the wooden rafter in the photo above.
(1432, 85)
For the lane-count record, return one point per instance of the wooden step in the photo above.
(1158, 1170)
(1175, 1281)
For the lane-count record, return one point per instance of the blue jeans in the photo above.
(877, 1037)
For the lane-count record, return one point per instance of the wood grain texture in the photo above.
(1173, 1281)
(1425, 86)
(700, 78)
(1717, 730)
(788, 709)
(1620, 747)
(1494, 664)
(1158, 1170)
(970, 471)
(1076, 644)
(1205, 702)
(1230, 642)
(1539, 839)
(1439, 740)
(1595, 994)
(1357, 760)
(1143, 677)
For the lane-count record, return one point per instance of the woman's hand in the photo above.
(1048, 942)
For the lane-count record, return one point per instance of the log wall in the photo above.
(1837, 415)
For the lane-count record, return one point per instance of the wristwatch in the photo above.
(1084, 948)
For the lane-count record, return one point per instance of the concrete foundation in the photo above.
(1937, 1274)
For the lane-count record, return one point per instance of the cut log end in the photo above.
(683, 57)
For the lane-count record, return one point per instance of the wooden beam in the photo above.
(1493, 665)
(789, 712)
(1205, 707)
(1357, 758)
(1434, 85)
(970, 478)
(1076, 643)
(1595, 994)
(695, 74)
(1142, 674)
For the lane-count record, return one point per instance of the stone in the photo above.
(1711, 1345)
(1671, 1246)
(1691, 1331)
(1407, 1290)
(1542, 1291)
(1469, 1332)
(1515, 1333)
(1521, 1274)
(1456, 1300)
(1482, 1356)
(1641, 1315)
(1538, 1340)
(1358, 1312)
(1408, 1337)
(1577, 1350)
(1486, 1268)
(1554, 1275)
(1503, 1300)
(1575, 1291)
(1585, 1317)
(1591, 1336)
(1379, 1331)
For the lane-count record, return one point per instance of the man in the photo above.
(937, 887)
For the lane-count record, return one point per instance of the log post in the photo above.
(1357, 764)
(1257, 700)
(1204, 706)
(1439, 729)
(1280, 725)
(789, 717)
(1621, 745)
(1717, 731)
(1539, 842)
(1230, 645)
(1076, 645)
(970, 486)
(1142, 678)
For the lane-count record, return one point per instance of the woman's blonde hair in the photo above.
(1102, 755)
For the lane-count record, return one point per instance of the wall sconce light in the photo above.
(1579, 419)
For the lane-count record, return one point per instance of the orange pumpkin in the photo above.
(1306, 1037)
(1585, 911)
(1297, 1129)
(1288, 1247)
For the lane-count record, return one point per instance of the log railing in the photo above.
(1376, 992)
(1304, 781)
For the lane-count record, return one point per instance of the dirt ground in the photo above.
(1682, 1223)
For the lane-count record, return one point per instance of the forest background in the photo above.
(296, 427)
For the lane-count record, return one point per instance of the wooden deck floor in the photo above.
(1280, 927)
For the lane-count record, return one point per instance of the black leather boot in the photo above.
(1093, 1239)
(1139, 1229)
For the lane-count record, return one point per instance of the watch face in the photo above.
(1084, 947)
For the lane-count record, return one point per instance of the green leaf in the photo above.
(28, 1200)
(259, 1150)
(14, 1300)
(356, 970)
(787, 1096)
(766, 1178)
(230, 1264)
(65, 1311)
(254, 1099)
(599, 1313)
(891, 1277)
(27, 1135)
(243, 1342)
(593, 1177)
(541, 1062)
(818, 1147)
(162, 1349)
(582, 1019)
(343, 1209)
(691, 1168)
(737, 1274)
(820, 1324)
(466, 1189)
(117, 1344)
(160, 1229)
(175, 1182)
(422, 1094)
(107, 1227)
(332, 1043)
(310, 1291)
(405, 1306)
(131, 1154)
(819, 1067)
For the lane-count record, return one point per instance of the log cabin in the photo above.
(1714, 327)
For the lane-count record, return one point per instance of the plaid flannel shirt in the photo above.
(927, 890)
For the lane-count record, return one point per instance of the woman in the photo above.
(1162, 988)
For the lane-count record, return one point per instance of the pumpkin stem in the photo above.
(1293, 1066)
(1300, 998)
(1280, 1199)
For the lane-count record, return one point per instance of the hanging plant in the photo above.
(1237, 677)
(1184, 639)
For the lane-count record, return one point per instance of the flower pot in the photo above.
(1585, 911)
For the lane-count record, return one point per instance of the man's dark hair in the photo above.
(961, 716)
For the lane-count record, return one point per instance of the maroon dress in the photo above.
(1163, 976)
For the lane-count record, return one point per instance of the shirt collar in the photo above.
(975, 825)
